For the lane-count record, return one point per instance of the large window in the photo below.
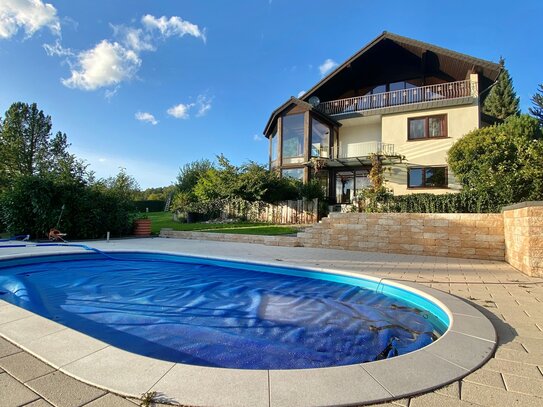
(427, 177)
(349, 184)
(293, 139)
(320, 139)
(274, 148)
(296, 173)
(427, 127)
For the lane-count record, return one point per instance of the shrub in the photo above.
(33, 205)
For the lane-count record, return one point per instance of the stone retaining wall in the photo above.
(523, 228)
(288, 241)
(473, 236)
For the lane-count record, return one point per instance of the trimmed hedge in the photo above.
(462, 202)
(154, 206)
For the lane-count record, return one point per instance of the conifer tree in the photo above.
(537, 101)
(502, 100)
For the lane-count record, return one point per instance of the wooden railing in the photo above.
(366, 149)
(430, 93)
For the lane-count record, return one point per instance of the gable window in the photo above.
(427, 177)
(427, 127)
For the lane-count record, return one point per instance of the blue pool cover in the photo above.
(218, 313)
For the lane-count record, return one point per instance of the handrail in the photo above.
(364, 149)
(429, 93)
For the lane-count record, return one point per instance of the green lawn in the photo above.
(165, 220)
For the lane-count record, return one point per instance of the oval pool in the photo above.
(220, 313)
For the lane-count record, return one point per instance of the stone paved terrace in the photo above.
(513, 302)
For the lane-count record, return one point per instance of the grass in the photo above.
(165, 220)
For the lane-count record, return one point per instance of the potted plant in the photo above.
(142, 226)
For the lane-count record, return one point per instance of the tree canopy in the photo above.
(28, 147)
(501, 161)
(537, 102)
(502, 101)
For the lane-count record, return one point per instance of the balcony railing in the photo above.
(361, 150)
(430, 93)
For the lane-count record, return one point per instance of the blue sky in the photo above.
(211, 72)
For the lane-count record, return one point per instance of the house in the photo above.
(398, 99)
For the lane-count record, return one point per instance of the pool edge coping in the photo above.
(451, 365)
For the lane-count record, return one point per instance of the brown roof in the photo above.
(489, 69)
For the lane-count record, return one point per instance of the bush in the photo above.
(33, 205)
(501, 162)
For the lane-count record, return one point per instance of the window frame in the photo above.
(424, 168)
(444, 127)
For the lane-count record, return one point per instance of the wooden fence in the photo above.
(288, 212)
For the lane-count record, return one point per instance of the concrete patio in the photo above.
(512, 301)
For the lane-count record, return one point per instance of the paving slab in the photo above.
(65, 346)
(224, 387)
(490, 396)
(316, 387)
(513, 368)
(127, 373)
(24, 367)
(13, 393)
(110, 400)
(435, 399)
(451, 390)
(521, 385)
(430, 372)
(26, 330)
(39, 403)
(486, 378)
(462, 350)
(64, 391)
(11, 313)
(7, 348)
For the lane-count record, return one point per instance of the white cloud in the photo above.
(327, 66)
(174, 26)
(258, 137)
(107, 64)
(301, 93)
(112, 62)
(29, 15)
(180, 111)
(183, 110)
(57, 50)
(204, 105)
(134, 38)
(146, 117)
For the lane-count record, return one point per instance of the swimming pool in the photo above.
(223, 313)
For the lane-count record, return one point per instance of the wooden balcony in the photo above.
(420, 95)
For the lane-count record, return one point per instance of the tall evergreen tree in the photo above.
(537, 101)
(502, 100)
(27, 146)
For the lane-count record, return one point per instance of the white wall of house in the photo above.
(426, 152)
(358, 130)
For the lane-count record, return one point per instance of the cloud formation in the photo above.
(111, 62)
(28, 15)
(146, 117)
(327, 66)
(174, 26)
(107, 64)
(182, 110)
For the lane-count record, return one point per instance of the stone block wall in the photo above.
(288, 241)
(523, 229)
(473, 236)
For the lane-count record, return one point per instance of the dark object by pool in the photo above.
(223, 314)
